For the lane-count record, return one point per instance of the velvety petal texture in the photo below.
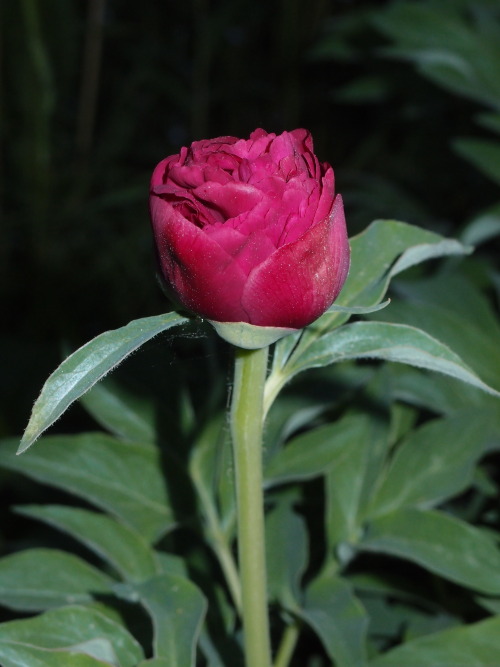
(250, 230)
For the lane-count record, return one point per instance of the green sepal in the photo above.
(250, 336)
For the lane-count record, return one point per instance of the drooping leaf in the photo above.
(438, 393)
(21, 655)
(377, 248)
(71, 628)
(348, 483)
(177, 608)
(287, 552)
(450, 308)
(104, 471)
(465, 646)
(82, 369)
(391, 342)
(435, 462)
(339, 620)
(124, 415)
(312, 453)
(358, 310)
(39, 579)
(442, 544)
(122, 547)
(483, 227)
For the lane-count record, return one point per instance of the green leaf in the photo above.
(484, 155)
(177, 609)
(446, 46)
(286, 552)
(38, 579)
(442, 544)
(434, 463)
(450, 308)
(313, 453)
(476, 645)
(71, 628)
(483, 227)
(381, 251)
(348, 483)
(358, 310)
(122, 547)
(438, 393)
(211, 469)
(19, 655)
(391, 342)
(82, 369)
(104, 471)
(339, 620)
(122, 414)
(375, 250)
(373, 253)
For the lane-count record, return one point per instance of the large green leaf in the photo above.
(125, 549)
(121, 477)
(286, 551)
(177, 609)
(82, 369)
(23, 655)
(484, 226)
(435, 462)
(384, 249)
(476, 645)
(388, 341)
(121, 413)
(442, 544)
(339, 620)
(348, 483)
(314, 452)
(438, 393)
(450, 308)
(71, 628)
(38, 579)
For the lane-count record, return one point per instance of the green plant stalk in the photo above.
(287, 646)
(246, 430)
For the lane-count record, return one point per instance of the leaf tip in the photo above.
(26, 442)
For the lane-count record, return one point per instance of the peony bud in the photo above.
(250, 230)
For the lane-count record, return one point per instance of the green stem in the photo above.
(223, 553)
(287, 646)
(246, 429)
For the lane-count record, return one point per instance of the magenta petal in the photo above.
(326, 197)
(201, 274)
(230, 199)
(302, 279)
(257, 248)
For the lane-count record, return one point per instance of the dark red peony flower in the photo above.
(250, 230)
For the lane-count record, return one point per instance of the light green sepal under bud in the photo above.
(249, 336)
